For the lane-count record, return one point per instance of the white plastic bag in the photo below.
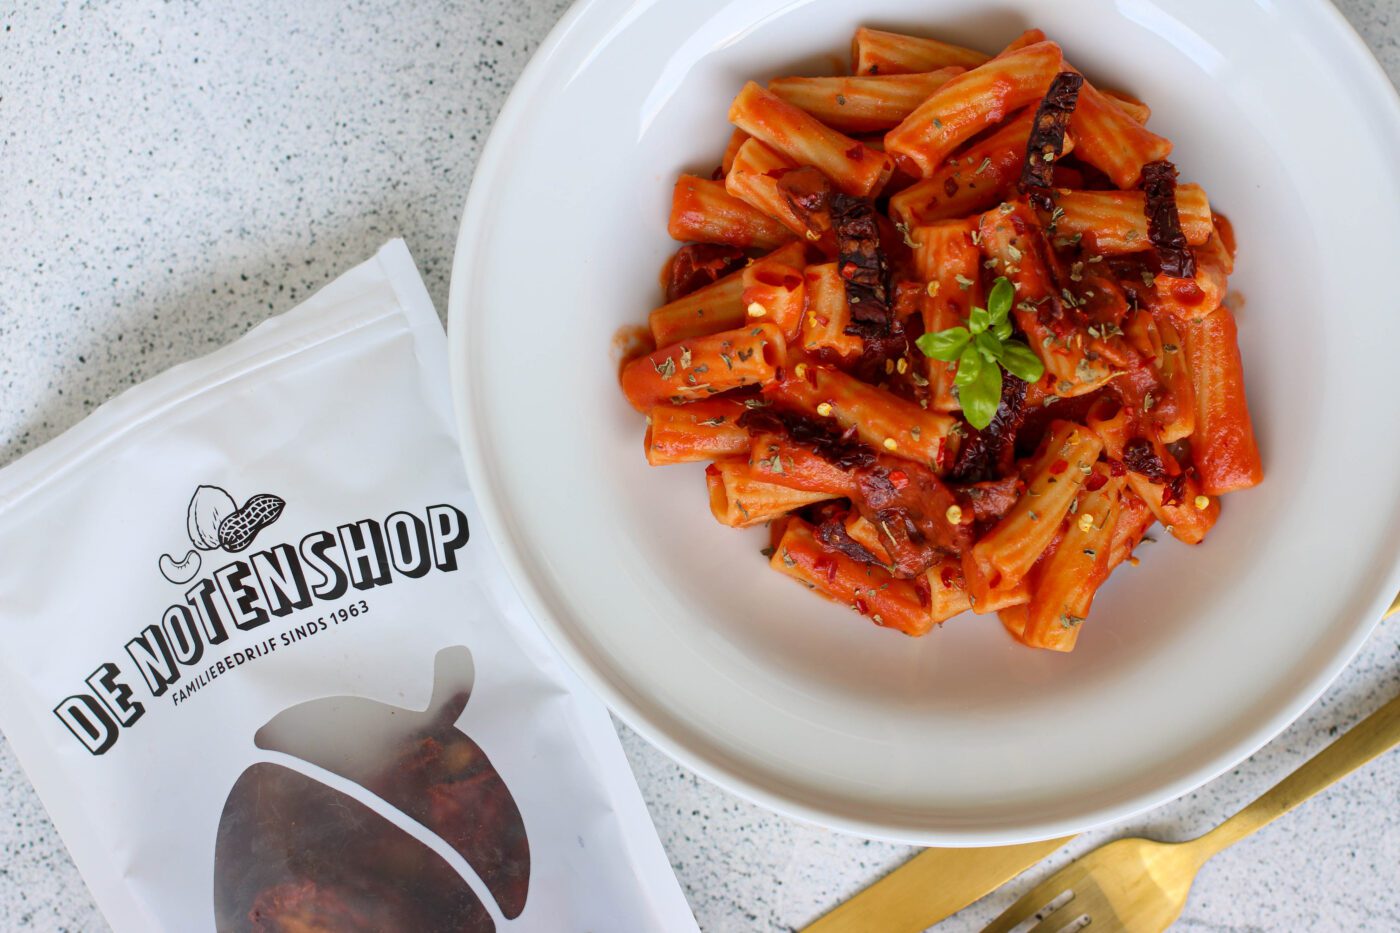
(266, 672)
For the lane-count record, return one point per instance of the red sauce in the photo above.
(1227, 232)
(629, 342)
(923, 591)
(907, 165)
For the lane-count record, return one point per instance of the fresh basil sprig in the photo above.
(982, 350)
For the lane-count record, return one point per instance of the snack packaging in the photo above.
(265, 669)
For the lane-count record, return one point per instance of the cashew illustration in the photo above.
(180, 571)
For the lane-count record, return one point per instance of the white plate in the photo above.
(1189, 663)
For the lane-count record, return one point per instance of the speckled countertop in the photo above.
(171, 173)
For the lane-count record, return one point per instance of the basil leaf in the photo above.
(1002, 329)
(989, 345)
(970, 367)
(982, 398)
(979, 320)
(999, 300)
(1020, 360)
(945, 345)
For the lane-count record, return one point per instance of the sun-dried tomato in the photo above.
(988, 453)
(699, 264)
(1174, 255)
(833, 535)
(1142, 458)
(834, 446)
(864, 266)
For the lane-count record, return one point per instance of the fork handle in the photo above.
(1373, 736)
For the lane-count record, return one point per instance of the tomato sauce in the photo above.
(629, 342)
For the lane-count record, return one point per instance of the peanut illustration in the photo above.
(209, 506)
(238, 530)
(180, 571)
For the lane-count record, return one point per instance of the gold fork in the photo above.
(1141, 885)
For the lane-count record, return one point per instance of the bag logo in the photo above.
(204, 633)
(215, 522)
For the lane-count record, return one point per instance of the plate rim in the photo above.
(1372, 81)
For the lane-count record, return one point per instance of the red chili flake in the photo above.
(823, 320)
(1117, 468)
(849, 270)
(948, 578)
(1188, 292)
(899, 479)
(862, 606)
(855, 153)
(1059, 466)
(826, 567)
(1095, 481)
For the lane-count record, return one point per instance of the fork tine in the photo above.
(1033, 907)
(1050, 913)
(1048, 916)
(1075, 925)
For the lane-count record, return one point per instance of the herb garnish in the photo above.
(982, 350)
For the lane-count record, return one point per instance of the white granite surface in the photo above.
(171, 173)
